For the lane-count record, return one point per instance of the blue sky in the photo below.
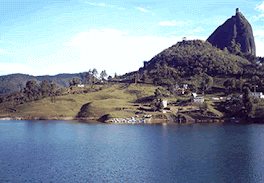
(40, 37)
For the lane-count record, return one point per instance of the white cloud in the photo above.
(198, 29)
(96, 4)
(259, 47)
(12, 68)
(260, 7)
(4, 52)
(167, 23)
(175, 23)
(106, 49)
(142, 9)
(100, 4)
(259, 33)
(175, 32)
(103, 4)
(116, 51)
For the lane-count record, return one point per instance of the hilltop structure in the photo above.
(238, 28)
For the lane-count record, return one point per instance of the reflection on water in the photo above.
(59, 151)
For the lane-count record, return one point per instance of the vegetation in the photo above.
(15, 82)
(201, 67)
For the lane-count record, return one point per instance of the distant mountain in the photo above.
(235, 28)
(14, 82)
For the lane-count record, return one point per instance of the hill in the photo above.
(121, 100)
(15, 82)
(196, 56)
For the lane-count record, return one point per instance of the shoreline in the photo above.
(133, 120)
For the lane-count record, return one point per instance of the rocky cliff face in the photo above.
(237, 27)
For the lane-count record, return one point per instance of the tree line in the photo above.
(33, 92)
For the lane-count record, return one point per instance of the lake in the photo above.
(61, 151)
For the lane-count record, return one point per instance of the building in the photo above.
(180, 90)
(194, 95)
(185, 86)
(216, 98)
(198, 99)
(257, 94)
(80, 85)
(164, 102)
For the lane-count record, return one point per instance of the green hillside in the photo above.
(197, 56)
(118, 100)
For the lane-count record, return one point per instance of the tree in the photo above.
(229, 83)
(203, 108)
(145, 76)
(234, 47)
(84, 79)
(157, 104)
(45, 87)
(136, 76)
(30, 85)
(208, 82)
(103, 75)
(109, 78)
(203, 81)
(241, 83)
(53, 89)
(94, 73)
(74, 81)
(158, 69)
(255, 80)
(89, 77)
(248, 103)
(31, 90)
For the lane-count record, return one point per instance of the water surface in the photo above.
(59, 151)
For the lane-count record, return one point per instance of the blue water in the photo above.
(59, 151)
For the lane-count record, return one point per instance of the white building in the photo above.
(194, 95)
(164, 102)
(80, 85)
(257, 94)
(216, 98)
(198, 100)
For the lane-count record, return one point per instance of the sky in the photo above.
(44, 37)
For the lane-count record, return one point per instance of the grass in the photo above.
(119, 101)
(104, 101)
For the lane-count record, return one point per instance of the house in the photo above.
(80, 85)
(164, 102)
(198, 99)
(257, 94)
(194, 95)
(185, 86)
(180, 90)
(216, 98)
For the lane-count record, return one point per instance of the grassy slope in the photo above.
(103, 102)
